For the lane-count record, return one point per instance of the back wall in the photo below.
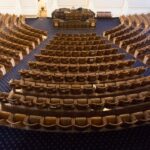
(117, 7)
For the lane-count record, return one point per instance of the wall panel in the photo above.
(138, 6)
(10, 6)
(29, 7)
(73, 3)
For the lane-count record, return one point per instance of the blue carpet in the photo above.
(46, 24)
(128, 139)
(14, 139)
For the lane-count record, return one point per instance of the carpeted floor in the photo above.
(13, 139)
(130, 139)
(46, 24)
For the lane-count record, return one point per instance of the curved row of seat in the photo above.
(77, 38)
(79, 60)
(77, 123)
(135, 40)
(79, 42)
(16, 39)
(78, 47)
(86, 104)
(82, 67)
(79, 90)
(83, 53)
(132, 40)
(108, 76)
(76, 35)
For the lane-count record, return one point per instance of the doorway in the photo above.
(42, 8)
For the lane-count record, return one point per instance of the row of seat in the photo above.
(81, 67)
(9, 52)
(77, 38)
(141, 52)
(12, 45)
(79, 47)
(132, 40)
(76, 35)
(79, 42)
(109, 76)
(97, 104)
(77, 123)
(126, 29)
(142, 43)
(79, 60)
(127, 35)
(16, 40)
(79, 90)
(113, 30)
(83, 53)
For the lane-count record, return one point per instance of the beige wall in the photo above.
(117, 7)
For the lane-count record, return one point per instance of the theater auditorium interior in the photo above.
(75, 74)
